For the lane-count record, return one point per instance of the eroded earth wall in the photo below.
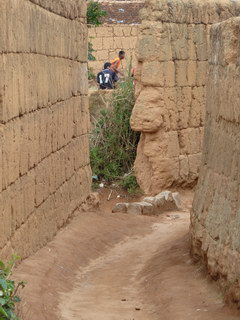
(215, 220)
(172, 52)
(44, 120)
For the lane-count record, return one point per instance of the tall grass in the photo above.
(113, 143)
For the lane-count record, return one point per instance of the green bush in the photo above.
(113, 143)
(95, 13)
(8, 291)
(129, 183)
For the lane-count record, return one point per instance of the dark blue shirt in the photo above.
(106, 79)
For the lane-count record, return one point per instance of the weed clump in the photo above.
(95, 13)
(91, 57)
(8, 291)
(129, 183)
(113, 143)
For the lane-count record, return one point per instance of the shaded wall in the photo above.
(44, 160)
(172, 53)
(215, 220)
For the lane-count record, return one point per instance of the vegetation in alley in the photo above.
(91, 57)
(9, 290)
(95, 13)
(130, 184)
(113, 143)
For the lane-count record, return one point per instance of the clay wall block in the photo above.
(97, 43)
(215, 214)
(44, 161)
(104, 31)
(108, 43)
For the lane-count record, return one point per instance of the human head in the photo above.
(121, 54)
(107, 65)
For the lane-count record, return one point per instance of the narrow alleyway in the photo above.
(120, 267)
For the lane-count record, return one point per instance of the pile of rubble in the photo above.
(164, 201)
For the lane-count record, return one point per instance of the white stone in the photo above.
(120, 207)
(134, 208)
(165, 194)
(151, 200)
(177, 199)
(147, 208)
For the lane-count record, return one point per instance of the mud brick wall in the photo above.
(44, 120)
(108, 40)
(172, 53)
(215, 219)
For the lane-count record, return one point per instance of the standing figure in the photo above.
(117, 62)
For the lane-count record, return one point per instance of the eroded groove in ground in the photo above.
(120, 267)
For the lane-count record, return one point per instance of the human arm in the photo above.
(115, 67)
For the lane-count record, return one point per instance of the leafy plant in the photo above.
(113, 143)
(90, 52)
(95, 13)
(129, 183)
(91, 74)
(90, 58)
(9, 290)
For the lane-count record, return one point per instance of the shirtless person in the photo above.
(117, 62)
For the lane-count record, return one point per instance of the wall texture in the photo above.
(44, 120)
(215, 221)
(122, 12)
(172, 53)
(108, 40)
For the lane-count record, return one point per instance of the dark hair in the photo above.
(107, 65)
(121, 53)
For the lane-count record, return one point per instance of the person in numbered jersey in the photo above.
(107, 77)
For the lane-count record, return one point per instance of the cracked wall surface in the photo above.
(44, 120)
(172, 53)
(215, 219)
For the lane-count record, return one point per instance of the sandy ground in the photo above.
(105, 266)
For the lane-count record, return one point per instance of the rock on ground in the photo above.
(164, 201)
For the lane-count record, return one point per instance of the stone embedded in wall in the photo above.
(172, 53)
(215, 218)
(44, 116)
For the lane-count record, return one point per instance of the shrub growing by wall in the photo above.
(9, 291)
(95, 13)
(113, 143)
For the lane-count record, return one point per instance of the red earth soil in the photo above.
(105, 266)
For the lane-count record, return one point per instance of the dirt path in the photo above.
(120, 267)
(109, 288)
